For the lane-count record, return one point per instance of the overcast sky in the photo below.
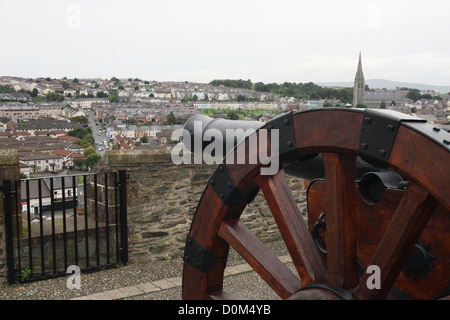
(202, 40)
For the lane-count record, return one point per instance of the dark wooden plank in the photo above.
(331, 130)
(194, 283)
(208, 217)
(341, 219)
(424, 161)
(292, 227)
(260, 258)
(406, 226)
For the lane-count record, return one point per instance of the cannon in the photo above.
(378, 206)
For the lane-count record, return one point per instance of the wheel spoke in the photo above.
(341, 219)
(292, 227)
(260, 258)
(392, 252)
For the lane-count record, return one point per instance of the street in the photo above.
(97, 132)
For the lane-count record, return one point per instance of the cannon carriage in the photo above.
(378, 205)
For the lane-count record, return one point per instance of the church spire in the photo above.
(360, 73)
(359, 86)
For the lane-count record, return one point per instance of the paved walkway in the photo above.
(163, 284)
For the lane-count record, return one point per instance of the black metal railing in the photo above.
(52, 223)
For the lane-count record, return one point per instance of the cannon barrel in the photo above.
(310, 167)
(199, 124)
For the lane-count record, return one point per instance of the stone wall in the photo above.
(162, 198)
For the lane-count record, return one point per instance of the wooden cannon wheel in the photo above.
(411, 147)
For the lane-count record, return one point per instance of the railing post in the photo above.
(9, 238)
(123, 216)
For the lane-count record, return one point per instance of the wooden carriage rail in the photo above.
(416, 150)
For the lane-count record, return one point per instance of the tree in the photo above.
(233, 115)
(54, 96)
(6, 89)
(80, 119)
(88, 151)
(101, 94)
(64, 84)
(92, 159)
(79, 163)
(34, 92)
(383, 105)
(144, 139)
(260, 87)
(89, 139)
(80, 132)
(413, 94)
(114, 98)
(171, 118)
(131, 121)
(233, 83)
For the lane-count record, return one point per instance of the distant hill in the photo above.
(390, 85)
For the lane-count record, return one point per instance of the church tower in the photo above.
(359, 87)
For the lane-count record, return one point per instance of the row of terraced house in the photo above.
(42, 145)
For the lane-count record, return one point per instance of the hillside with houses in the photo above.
(51, 122)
